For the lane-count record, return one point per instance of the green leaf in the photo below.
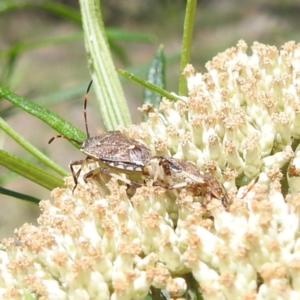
(50, 118)
(111, 100)
(14, 194)
(29, 171)
(156, 75)
(148, 85)
(30, 148)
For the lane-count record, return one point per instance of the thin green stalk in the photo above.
(187, 42)
(17, 195)
(29, 171)
(30, 148)
(111, 100)
(148, 85)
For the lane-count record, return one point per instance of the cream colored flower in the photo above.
(240, 121)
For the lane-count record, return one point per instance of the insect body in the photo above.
(113, 150)
(172, 173)
(116, 152)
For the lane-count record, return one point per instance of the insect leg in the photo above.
(170, 187)
(100, 170)
(78, 163)
(249, 187)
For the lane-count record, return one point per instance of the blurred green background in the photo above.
(42, 57)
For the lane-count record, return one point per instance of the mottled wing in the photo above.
(113, 146)
(199, 182)
(188, 169)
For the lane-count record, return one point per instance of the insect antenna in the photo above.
(63, 136)
(84, 109)
(85, 121)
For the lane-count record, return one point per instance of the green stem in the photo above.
(111, 99)
(187, 42)
(148, 85)
(17, 195)
(31, 149)
(29, 171)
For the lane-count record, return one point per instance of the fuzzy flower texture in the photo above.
(241, 123)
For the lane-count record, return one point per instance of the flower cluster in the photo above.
(240, 121)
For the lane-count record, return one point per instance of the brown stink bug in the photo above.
(171, 173)
(113, 151)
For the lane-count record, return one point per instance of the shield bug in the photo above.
(113, 151)
(171, 173)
